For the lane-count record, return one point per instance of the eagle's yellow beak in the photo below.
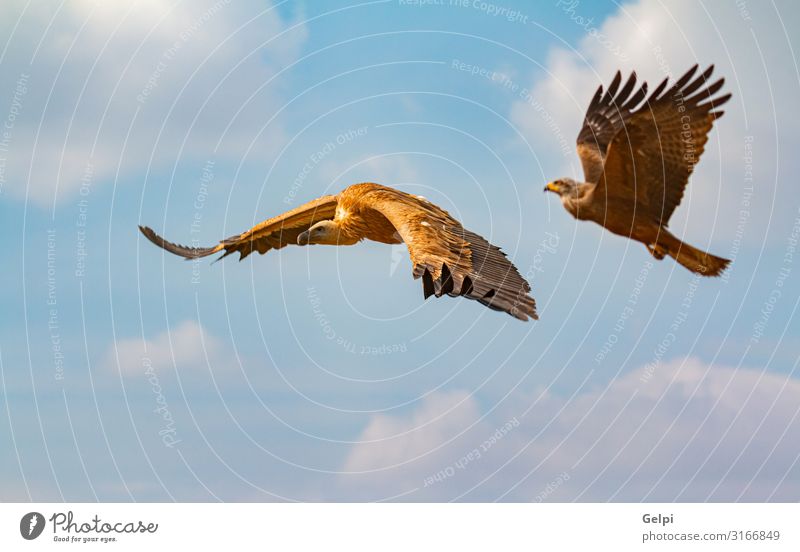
(551, 187)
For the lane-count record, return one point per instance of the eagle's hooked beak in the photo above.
(551, 187)
(302, 239)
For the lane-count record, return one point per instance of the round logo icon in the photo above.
(31, 525)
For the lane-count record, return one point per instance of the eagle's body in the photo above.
(637, 156)
(450, 259)
(636, 223)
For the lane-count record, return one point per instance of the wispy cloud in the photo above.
(113, 88)
(187, 345)
(685, 431)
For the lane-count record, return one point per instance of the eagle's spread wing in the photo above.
(651, 158)
(605, 117)
(274, 233)
(451, 259)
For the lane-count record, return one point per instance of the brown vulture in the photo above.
(450, 259)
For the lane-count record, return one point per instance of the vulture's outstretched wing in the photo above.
(605, 117)
(651, 158)
(274, 233)
(451, 259)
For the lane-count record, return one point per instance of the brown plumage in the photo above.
(450, 259)
(637, 153)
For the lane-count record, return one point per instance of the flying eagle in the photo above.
(637, 156)
(450, 259)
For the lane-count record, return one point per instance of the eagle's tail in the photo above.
(699, 262)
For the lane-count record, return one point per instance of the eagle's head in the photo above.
(564, 187)
(325, 232)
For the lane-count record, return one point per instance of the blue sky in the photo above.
(320, 373)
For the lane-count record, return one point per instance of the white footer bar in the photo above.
(402, 527)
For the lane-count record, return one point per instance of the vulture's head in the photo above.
(325, 232)
(564, 187)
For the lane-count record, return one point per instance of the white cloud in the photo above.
(684, 431)
(658, 39)
(387, 441)
(389, 169)
(185, 346)
(113, 85)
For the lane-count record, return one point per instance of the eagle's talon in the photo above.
(657, 251)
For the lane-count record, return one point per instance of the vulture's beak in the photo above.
(551, 187)
(302, 239)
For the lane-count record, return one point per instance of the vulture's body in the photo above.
(450, 259)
